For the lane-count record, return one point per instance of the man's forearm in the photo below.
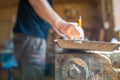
(44, 10)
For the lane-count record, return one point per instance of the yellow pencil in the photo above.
(80, 21)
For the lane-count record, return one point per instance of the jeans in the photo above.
(30, 54)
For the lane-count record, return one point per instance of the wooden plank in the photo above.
(87, 45)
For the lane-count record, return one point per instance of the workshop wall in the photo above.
(8, 10)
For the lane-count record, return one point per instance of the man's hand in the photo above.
(68, 29)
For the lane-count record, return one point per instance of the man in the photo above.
(31, 30)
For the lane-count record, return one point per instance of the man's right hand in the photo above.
(68, 29)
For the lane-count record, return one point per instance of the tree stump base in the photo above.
(83, 66)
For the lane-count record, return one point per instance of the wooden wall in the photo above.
(116, 14)
(8, 10)
(109, 18)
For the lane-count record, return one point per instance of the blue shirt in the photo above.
(29, 22)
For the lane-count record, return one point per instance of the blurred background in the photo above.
(100, 21)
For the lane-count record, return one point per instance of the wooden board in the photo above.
(86, 45)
